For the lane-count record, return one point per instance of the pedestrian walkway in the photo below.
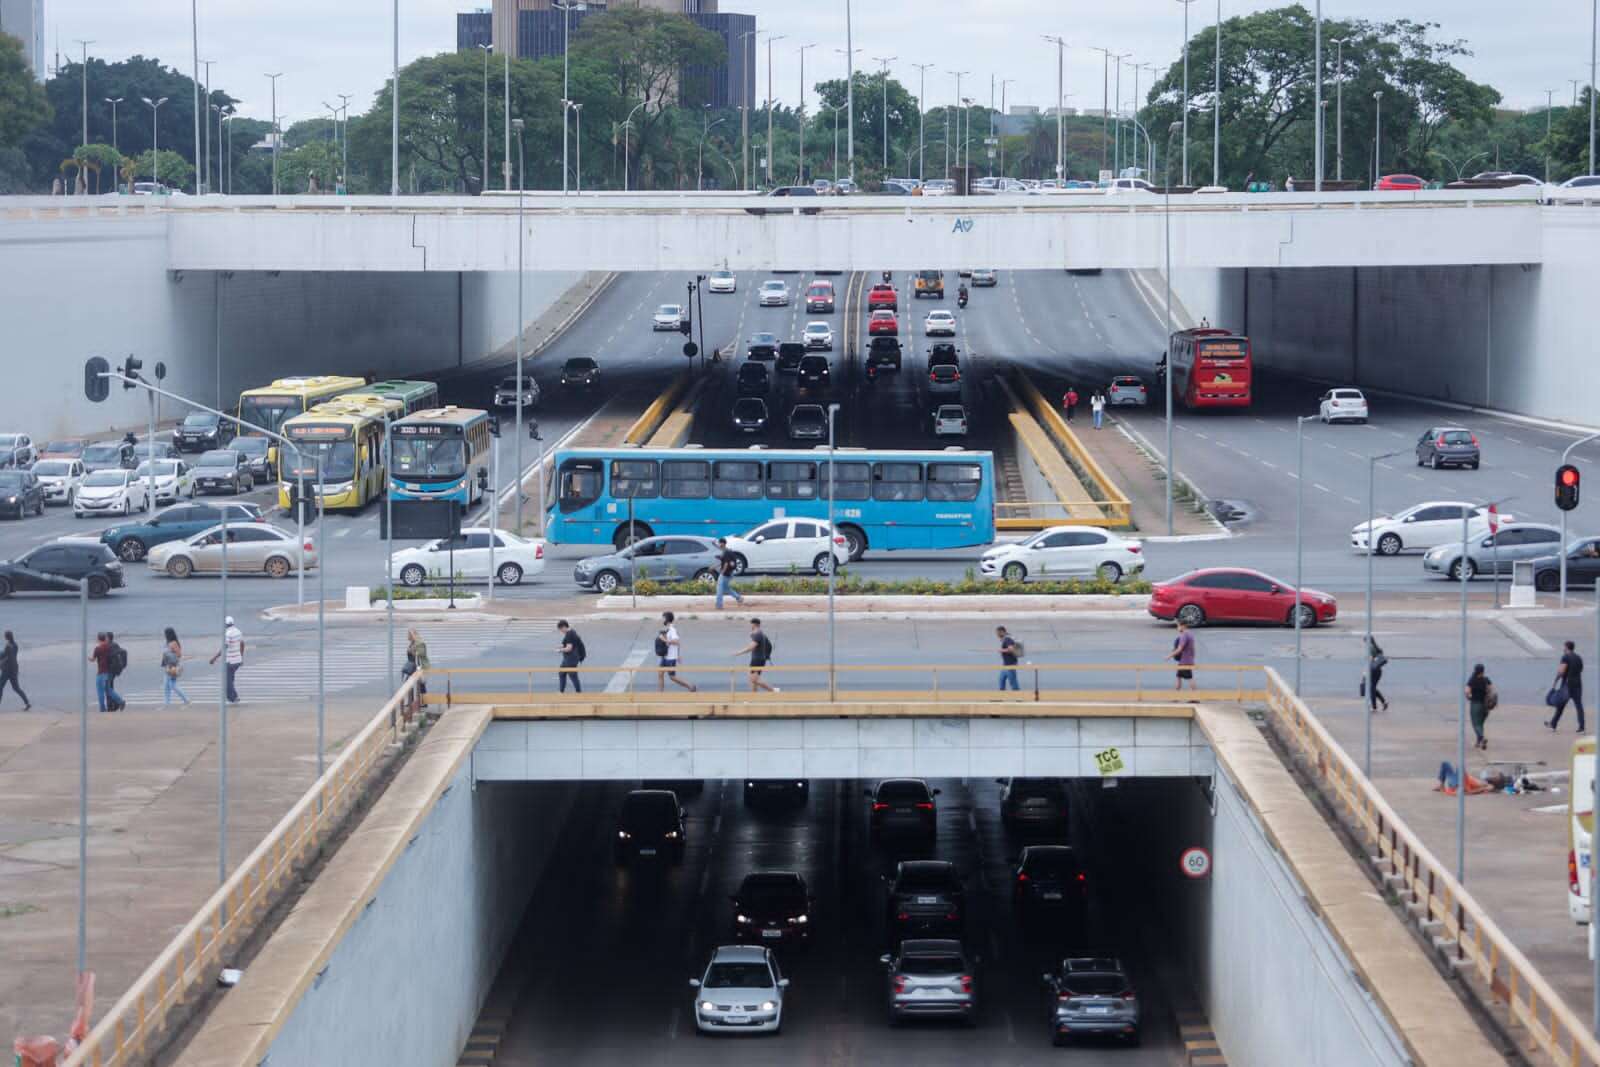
(349, 663)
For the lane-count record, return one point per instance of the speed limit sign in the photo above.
(1196, 862)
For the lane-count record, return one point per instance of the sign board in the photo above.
(1195, 862)
(1106, 175)
(1110, 762)
(421, 519)
(691, 349)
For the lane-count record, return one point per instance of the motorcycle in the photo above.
(961, 299)
(887, 275)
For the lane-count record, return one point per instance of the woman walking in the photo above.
(1481, 699)
(1376, 661)
(416, 660)
(9, 667)
(172, 667)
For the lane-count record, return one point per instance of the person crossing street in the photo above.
(8, 671)
(1009, 652)
(572, 654)
(232, 654)
(1568, 685)
(726, 569)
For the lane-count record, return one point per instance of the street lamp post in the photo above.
(885, 60)
(1166, 339)
(394, 109)
(800, 161)
(850, 97)
(344, 161)
(577, 144)
(627, 130)
(959, 74)
(1105, 104)
(706, 126)
(516, 126)
(83, 71)
(1317, 64)
(115, 100)
(194, 31)
(1116, 115)
(1372, 550)
(1003, 83)
(1461, 699)
(1216, 105)
(487, 48)
(273, 78)
(1549, 100)
(746, 61)
(922, 119)
(1186, 4)
(1299, 535)
(227, 157)
(203, 182)
(1377, 136)
(1338, 108)
(155, 145)
(770, 152)
(565, 7)
(1594, 29)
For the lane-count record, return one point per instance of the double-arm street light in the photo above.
(885, 60)
(114, 101)
(770, 153)
(922, 121)
(155, 143)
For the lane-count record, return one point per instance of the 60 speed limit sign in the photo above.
(1196, 862)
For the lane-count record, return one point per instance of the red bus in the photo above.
(1210, 367)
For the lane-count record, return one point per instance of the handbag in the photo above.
(1558, 695)
(174, 671)
(1380, 661)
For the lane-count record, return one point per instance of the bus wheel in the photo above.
(628, 533)
(855, 541)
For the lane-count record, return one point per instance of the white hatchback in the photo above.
(1065, 552)
(939, 323)
(950, 420)
(667, 317)
(740, 991)
(819, 335)
(467, 556)
(173, 480)
(1343, 404)
(783, 546)
(59, 479)
(109, 492)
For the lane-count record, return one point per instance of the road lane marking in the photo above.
(1352, 500)
(1519, 632)
(1414, 477)
(1316, 485)
(619, 680)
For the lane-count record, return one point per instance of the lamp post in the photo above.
(1299, 528)
(1377, 136)
(959, 74)
(1461, 697)
(746, 61)
(194, 31)
(155, 145)
(1216, 105)
(1338, 107)
(1116, 117)
(1186, 4)
(627, 129)
(273, 78)
(1372, 515)
(115, 100)
(394, 109)
(800, 162)
(1317, 70)
(577, 144)
(1549, 98)
(203, 182)
(922, 118)
(1594, 29)
(83, 71)
(1003, 83)
(566, 94)
(1166, 362)
(344, 160)
(516, 126)
(850, 96)
(1105, 103)
(1061, 139)
(487, 48)
(770, 153)
(706, 126)
(885, 60)
(227, 156)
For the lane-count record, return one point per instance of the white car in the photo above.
(1421, 527)
(783, 546)
(939, 323)
(59, 478)
(173, 480)
(950, 420)
(1128, 185)
(722, 281)
(741, 991)
(253, 548)
(819, 335)
(109, 492)
(1338, 404)
(1065, 552)
(774, 294)
(515, 558)
(667, 317)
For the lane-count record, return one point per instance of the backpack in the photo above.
(661, 646)
(119, 660)
(578, 651)
(1017, 649)
(766, 647)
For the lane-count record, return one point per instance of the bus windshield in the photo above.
(338, 459)
(429, 457)
(268, 412)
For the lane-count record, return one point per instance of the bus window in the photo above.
(635, 478)
(580, 483)
(685, 479)
(791, 481)
(736, 480)
(851, 481)
(954, 481)
(897, 481)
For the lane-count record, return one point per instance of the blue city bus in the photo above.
(440, 454)
(883, 500)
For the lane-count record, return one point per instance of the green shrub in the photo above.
(967, 585)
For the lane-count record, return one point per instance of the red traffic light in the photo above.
(1568, 475)
(1568, 482)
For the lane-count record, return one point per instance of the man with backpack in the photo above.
(117, 663)
(100, 655)
(1010, 653)
(669, 651)
(572, 654)
(760, 649)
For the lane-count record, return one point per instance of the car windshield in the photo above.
(722, 275)
(1094, 985)
(102, 454)
(773, 895)
(774, 286)
(200, 419)
(902, 792)
(221, 457)
(738, 976)
(1051, 865)
(669, 309)
(164, 469)
(106, 478)
(428, 457)
(47, 468)
(65, 448)
(10, 479)
(579, 363)
(921, 878)
(816, 327)
(764, 339)
(931, 965)
(949, 412)
(250, 446)
(338, 460)
(750, 408)
(648, 812)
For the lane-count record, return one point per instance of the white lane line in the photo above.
(1519, 474)
(1414, 477)
(1269, 466)
(1351, 500)
(1545, 448)
(1518, 632)
(343, 532)
(1513, 440)
(1318, 485)
(619, 680)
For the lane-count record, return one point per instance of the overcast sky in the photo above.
(324, 48)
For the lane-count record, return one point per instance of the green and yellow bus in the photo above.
(272, 405)
(347, 435)
(401, 397)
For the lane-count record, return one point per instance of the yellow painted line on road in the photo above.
(646, 424)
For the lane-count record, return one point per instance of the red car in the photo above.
(882, 322)
(1236, 594)
(1400, 182)
(882, 296)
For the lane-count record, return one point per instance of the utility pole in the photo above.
(850, 95)
(394, 127)
(484, 183)
(1377, 136)
(959, 75)
(1321, 140)
(1116, 135)
(922, 117)
(1186, 4)
(114, 101)
(204, 181)
(1216, 106)
(800, 165)
(1105, 104)
(746, 61)
(566, 97)
(199, 175)
(273, 78)
(84, 71)
(770, 153)
(1549, 96)
(1003, 83)
(1338, 108)
(505, 165)
(886, 60)
(1061, 136)
(344, 164)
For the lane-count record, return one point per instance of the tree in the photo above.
(175, 172)
(98, 160)
(23, 106)
(296, 168)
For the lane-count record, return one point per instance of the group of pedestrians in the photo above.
(110, 661)
(1097, 405)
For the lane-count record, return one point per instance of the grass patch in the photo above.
(440, 591)
(852, 585)
(11, 909)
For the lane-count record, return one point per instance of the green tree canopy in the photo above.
(23, 106)
(174, 171)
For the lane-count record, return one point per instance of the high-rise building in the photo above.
(24, 20)
(536, 29)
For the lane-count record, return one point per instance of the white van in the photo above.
(1580, 827)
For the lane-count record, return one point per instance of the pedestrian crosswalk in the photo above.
(354, 658)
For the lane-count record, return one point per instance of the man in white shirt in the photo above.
(232, 652)
(668, 653)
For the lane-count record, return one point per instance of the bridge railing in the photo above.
(1479, 947)
(191, 958)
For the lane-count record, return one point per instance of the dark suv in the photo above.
(1448, 446)
(790, 353)
(926, 899)
(580, 372)
(650, 826)
(883, 353)
(201, 432)
(57, 568)
(1036, 805)
(754, 378)
(814, 372)
(772, 907)
(133, 540)
(903, 807)
(1050, 884)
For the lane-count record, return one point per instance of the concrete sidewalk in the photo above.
(153, 835)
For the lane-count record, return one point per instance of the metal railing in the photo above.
(1477, 944)
(928, 684)
(255, 886)
(1111, 499)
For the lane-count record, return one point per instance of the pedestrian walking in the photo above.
(1097, 404)
(1010, 652)
(1183, 654)
(1481, 700)
(669, 651)
(1568, 685)
(572, 654)
(100, 656)
(1069, 401)
(416, 660)
(172, 667)
(1376, 661)
(118, 664)
(760, 650)
(8, 671)
(232, 655)
(726, 569)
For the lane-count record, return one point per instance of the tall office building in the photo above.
(535, 29)
(24, 20)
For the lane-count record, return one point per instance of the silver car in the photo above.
(1515, 541)
(253, 548)
(1092, 997)
(676, 558)
(1127, 391)
(931, 978)
(741, 991)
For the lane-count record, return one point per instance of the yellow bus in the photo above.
(405, 397)
(270, 406)
(348, 437)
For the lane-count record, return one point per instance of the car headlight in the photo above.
(741, 918)
(802, 919)
(767, 1005)
(706, 1005)
(623, 835)
(672, 835)
(11, 500)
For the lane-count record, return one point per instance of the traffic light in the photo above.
(95, 387)
(685, 326)
(1567, 482)
(130, 369)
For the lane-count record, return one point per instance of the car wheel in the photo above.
(705, 576)
(1308, 617)
(1110, 572)
(412, 575)
(180, 567)
(740, 564)
(1474, 464)
(607, 581)
(1014, 572)
(1438, 462)
(127, 506)
(278, 567)
(824, 563)
(1192, 615)
(1057, 1040)
(98, 586)
(5, 588)
(1547, 581)
(1389, 545)
(131, 550)
(509, 574)
(1463, 569)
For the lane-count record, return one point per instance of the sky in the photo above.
(325, 48)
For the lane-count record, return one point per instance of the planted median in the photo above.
(852, 585)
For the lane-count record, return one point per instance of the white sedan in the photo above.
(1421, 526)
(819, 335)
(723, 281)
(173, 480)
(667, 317)
(1065, 552)
(59, 479)
(939, 324)
(774, 294)
(515, 558)
(109, 492)
(1337, 404)
(783, 546)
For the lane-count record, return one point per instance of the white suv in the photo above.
(667, 317)
(1065, 552)
(785, 545)
(1421, 526)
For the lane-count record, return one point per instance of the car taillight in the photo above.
(924, 805)
(901, 916)
(1021, 877)
(1129, 995)
(1082, 878)
(309, 547)
(1142, 389)
(878, 806)
(952, 916)
(1474, 440)
(1135, 548)
(899, 983)
(966, 983)
(838, 540)
(538, 552)
(1439, 442)
(1572, 871)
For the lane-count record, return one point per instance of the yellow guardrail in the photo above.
(646, 424)
(189, 961)
(1481, 949)
(675, 428)
(1113, 501)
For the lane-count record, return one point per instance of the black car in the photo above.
(943, 352)
(903, 808)
(1583, 567)
(580, 372)
(107, 455)
(58, 567)
(20, 493)
(201, 432)
(754, 379)
(788, 792)
(257, 456)
(1448, 446)
(883, 353)
(1050, 884)
(222, 470)
(650, 826)
(772, 907)
(808, 422)
(790, 353)
(762, 346)
(750, 414)
(926, 899)
(813, 373)
(1037, 805)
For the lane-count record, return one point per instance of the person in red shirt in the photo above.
(100, 656)
(1070, 402)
